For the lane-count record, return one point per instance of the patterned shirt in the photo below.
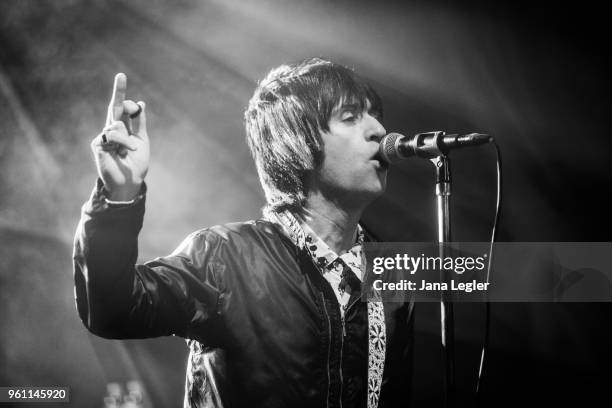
(343, 272)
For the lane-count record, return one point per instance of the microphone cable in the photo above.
(486, 337)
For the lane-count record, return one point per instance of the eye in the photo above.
(349, 116)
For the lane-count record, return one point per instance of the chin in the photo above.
(375, 191)
(382, 184)
(379, 192)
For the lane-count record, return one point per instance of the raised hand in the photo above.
(122, 150)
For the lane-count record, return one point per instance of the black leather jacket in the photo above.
(263, 325)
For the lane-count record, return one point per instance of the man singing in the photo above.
(272, 308)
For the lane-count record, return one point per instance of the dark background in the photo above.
(535, 76)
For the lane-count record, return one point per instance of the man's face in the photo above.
(350, 170)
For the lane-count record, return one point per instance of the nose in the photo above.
(375, 129)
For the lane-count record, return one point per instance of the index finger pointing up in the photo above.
(115, 108)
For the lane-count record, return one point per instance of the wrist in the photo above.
(123, 193)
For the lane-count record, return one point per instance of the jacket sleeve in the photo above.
(173, 295)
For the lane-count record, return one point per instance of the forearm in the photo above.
(105, 252)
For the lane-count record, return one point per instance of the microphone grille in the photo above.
(387, 148)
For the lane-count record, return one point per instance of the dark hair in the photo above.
(284, 120)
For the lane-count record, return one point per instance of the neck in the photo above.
(333, 223)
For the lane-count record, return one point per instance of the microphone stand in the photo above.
(447, 318)
(435, 146)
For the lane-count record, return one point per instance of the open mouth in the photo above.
(381, 162)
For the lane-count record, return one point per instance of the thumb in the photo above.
(139, 123)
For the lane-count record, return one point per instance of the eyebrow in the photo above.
(346, 107)
(355, 107)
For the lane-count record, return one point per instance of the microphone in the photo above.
(395, 147)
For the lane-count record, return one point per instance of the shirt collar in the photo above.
(305, 238)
